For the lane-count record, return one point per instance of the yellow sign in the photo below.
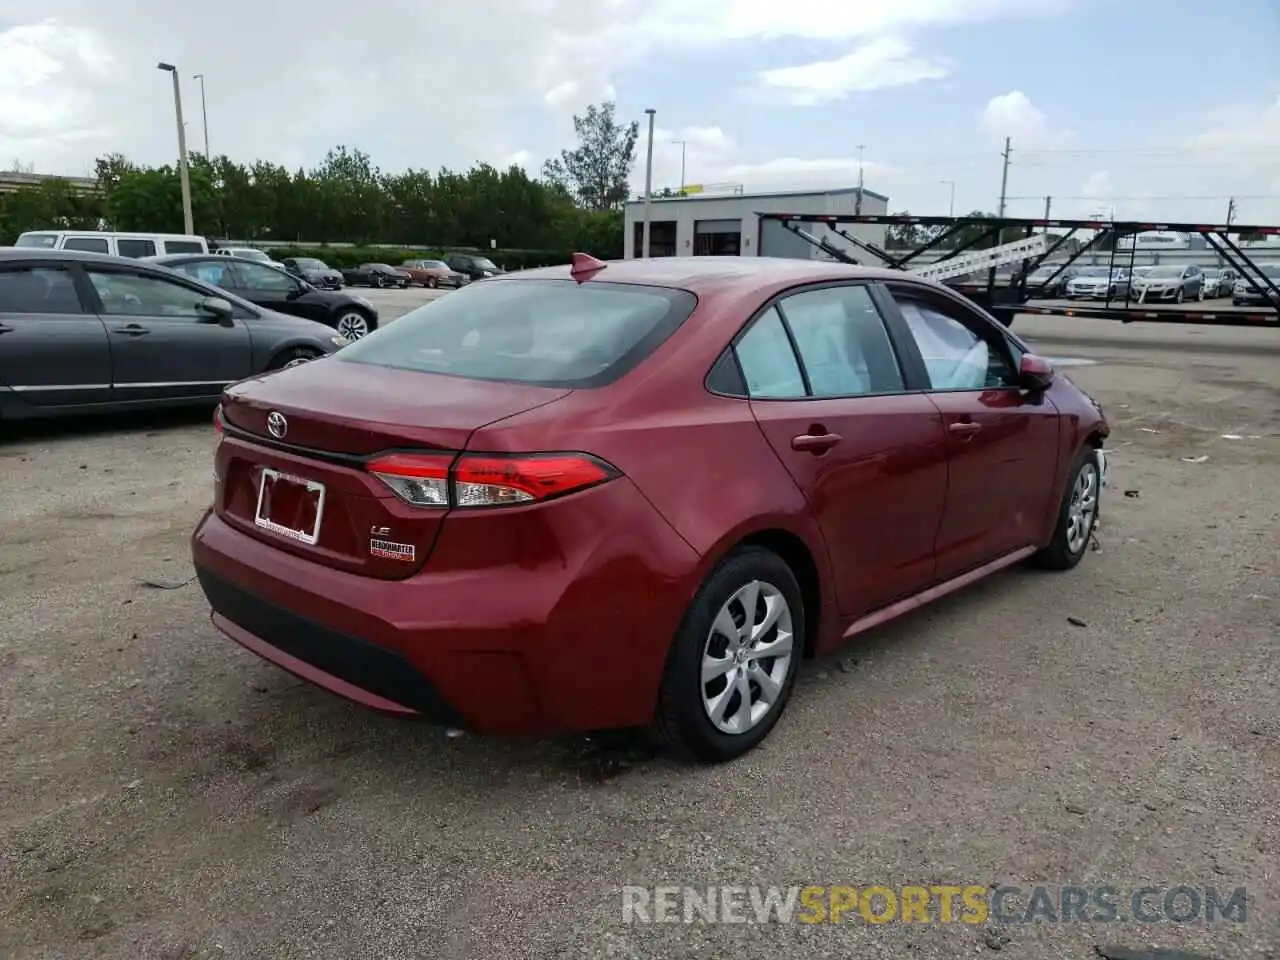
(691, 188)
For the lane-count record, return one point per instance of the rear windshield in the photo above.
(554, 333)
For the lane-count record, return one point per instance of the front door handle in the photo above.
(815, 443)
(5, 328)
(133, 330)
(965, 429)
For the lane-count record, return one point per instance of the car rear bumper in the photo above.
(574, 638)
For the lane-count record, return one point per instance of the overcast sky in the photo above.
(1158, 108)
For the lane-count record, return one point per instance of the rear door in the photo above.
(162, 345)
(1003, 439)
(868, 452)
(53, 353)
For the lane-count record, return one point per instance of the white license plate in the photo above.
(289, 506)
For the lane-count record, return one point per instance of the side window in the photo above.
(210, 271)
(768, 362)
(88, 244)
(956, 356)
(182, 246)
(254, 276)
(134, 294)
(38, 290)
(132, 247)
(843, 343)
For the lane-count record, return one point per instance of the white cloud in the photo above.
(1013, 115)
(879, 64)
(41, 66)
(518, 159)
(794, 173)
(1243, 127)
(1098, 184)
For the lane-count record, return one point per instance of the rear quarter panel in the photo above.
(701, 460)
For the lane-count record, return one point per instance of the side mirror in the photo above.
(218, 310)
(1036, 373)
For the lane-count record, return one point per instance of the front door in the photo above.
(1003, 439)
(163, 346)
(869, 456)
(53, 353)
(274, 289)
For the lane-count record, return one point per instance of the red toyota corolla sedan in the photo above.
(636, 493)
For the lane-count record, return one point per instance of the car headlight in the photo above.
(339, 341)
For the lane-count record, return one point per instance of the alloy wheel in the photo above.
(353, 326)
(747, 657)
(1083, 507)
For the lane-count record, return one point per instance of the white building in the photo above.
(728, 225)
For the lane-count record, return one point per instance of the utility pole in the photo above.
(683, 145)
(1004, 175)
(951, 206)
(857, 203)
(187, 221)
(1048, 205)
(204, 114)
(1231, 211)
(648, 185)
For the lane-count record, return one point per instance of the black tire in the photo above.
(292, 356)
(1060, 554)
(681, 725)
(432, 283)
(1181, 295)
(339, 324)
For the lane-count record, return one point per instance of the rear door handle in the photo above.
(5, 328)
(965, 429)
(815, 443)
(133, 330)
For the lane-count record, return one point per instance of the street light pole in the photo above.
(857, 203)
(187, 221)
(951, 207)
(648, 185)
(204, 115)
(683, 145)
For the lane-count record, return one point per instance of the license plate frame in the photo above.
(310, 538)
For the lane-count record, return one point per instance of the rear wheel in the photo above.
(730, 671)
(1076, 516)
(293, 357)
(432, 282)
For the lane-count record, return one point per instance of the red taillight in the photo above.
(217, 419)
(487, 480)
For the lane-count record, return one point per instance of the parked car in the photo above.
(472, 265)
(82, 332)
(277, 289)
(247, 253)
(315, 272)
(1218, 282)
(1170, 282)
(1050, 280)
(1256, 292)
(636, 494)
(433, 273)
(132, 245)
(1098, 283)
(375, 275)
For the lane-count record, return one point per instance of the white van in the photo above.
(133, 245)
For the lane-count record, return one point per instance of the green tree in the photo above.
(596, 173)
(903, 236)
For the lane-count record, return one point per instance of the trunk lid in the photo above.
(319, 501)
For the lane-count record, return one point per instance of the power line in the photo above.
(1103, 197)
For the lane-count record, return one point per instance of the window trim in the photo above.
(996, 335)
(909, 367)
(155, 249)
(241, 282)
(107, 241)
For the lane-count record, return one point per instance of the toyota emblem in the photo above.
(277, 425)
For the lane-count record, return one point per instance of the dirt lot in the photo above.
(167, 795)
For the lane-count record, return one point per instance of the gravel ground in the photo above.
(167, 795)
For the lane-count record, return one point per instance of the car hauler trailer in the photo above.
(962, 239)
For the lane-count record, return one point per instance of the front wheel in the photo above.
(293, 357)
(1076, 516)
(432, 282)
(1181, 295)
(354, 324)
(732, 666)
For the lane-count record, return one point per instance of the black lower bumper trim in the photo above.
(358, 662)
